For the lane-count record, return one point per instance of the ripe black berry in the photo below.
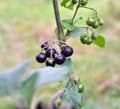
(50, 63)
(73, 107)
(39, 106)
(51, 52)
(41, 57)
(67, 51)
(44, 45)
(60, 59)
(54, 106)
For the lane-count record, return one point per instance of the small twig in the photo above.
(76, 10)
(88, 28)
(58, 95)
(95, 12)
(68, 82)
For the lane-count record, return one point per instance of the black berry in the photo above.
(39, 106)
(67, 51)
(54, 106)
(51, 52)
(44, 45)
(60, 59)
(73, 107)
(41, 57)
(50, 63)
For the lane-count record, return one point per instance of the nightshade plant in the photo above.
(71, 89)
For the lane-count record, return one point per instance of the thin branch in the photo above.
(74, 15)
(76, 10)
(58, 95)
(95, 12)
(58, 21)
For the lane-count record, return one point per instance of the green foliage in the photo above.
(92, 22)
(49, 74)
(94, 105)
(10, 80)
(100, 41)
(67, 4)
(28, 87)
(68, 63)
(78, 31)
(68, 24)
(72, 97)
(64, 2)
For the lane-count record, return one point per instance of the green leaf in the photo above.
(70, 6)
(71, 84)
(64, 2)
(100, 41)
(67, 4)
(56, 31)
(68, 24)
(72, 97)
(94, 105)
(28, 87)
(11, 79)
(77, 32)
(49, 74)
(69, 64)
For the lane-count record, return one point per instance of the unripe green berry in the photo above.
(93, 36)
(83, 2)
(84, 38)
(95, 25)
(74, 1)
(100, 22)
(80, 88)
(89, 41)
(90, 21)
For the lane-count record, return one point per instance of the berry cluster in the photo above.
(88, 39)
(51, 56)
(94, 22)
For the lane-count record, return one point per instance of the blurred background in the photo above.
(24, 24)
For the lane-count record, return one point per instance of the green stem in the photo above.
(74, 15)
(95, 12)
(76, 10)
(58, 21)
